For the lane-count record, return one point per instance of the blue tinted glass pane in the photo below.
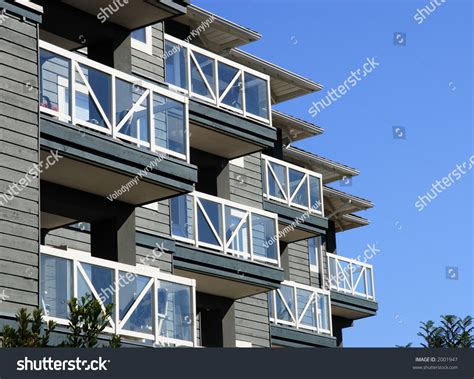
(256, 96)
(309, 317)
(233, 218)
(301, 195)
(182, 224)
(315, 192)
(127, 95)
(198, 84)
(233, 96)
(139, 35)
(277, 174)
(212, 211)
(54, 82)
(55, 285)
(141, 320)
(175, 56)
(282, 312)
(175, 311)
(170, 125)
(102, 279)
(264, 237)
(131, 286)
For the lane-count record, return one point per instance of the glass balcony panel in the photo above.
(170, 124)
(55, 286)
(283, 313)
(102, 279)
(127, 96)
(315, 193)
(297, 191)
(87, 109)
(344, 275)
(277, 181)
(256, 96)
(230, 77)
(141, 319)
(176, 65)
(358, 274)
(263, 230)
(130, 290)
(323, 312)
(54, 82)
(209, 232)
(202, 85)
(182, 217)
(332, 273)
(306, 312)
(370, 283)
(236, 225)
(175, 311)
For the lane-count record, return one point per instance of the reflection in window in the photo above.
(55, 285)
(263, 233)
(175, 72)
(182, 224)
(256, 96)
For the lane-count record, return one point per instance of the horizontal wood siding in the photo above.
(245, 183)
(19, 191)
(251, 320)
(151, 66)
(298, 262)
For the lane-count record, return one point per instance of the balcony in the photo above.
(296, 310)
(229, 103)
(220, 242)
(352, 287)
(230, 228)
(293, 193)
(113, 126)
(88, 94)
(217, 80)
(150, 307)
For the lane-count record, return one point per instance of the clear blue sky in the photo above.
(425, 87)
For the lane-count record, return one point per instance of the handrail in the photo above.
(314, 315)
(143, 296)
(283, 192)
(123, 106)
(225, 226)
(343, 278)
(234, 85)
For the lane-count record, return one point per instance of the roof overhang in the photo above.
(294, 129)
(221, 34)
(330, 170)
(339, 207)
(285, 85)
(133, 14)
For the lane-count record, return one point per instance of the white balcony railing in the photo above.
(231, 228)
(217, 80)
(83, 92)
(148, 305)
(301, 307)
(292, 185)
(351, 277)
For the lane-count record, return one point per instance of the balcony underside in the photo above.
(226, 135)
(352, 307)
(222, 275)
(310, 226)
(100, 165)
(289, 337)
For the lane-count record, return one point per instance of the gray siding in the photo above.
(245, 183)
(151, 66)
(298, 262)
(71, 238)
(251, 320)
(19, 133)
(154, 221)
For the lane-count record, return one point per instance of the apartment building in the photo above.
(142, 163)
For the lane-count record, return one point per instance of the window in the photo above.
(314, 250)
(142, 40)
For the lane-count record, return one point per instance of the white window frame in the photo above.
(147, 46)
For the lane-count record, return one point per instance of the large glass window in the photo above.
(142, 40)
